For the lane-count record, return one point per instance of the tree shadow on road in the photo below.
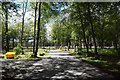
(53, 68)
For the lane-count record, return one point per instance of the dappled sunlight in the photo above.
(53, 68)
(60, 40)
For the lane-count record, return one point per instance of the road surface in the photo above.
(56, 65)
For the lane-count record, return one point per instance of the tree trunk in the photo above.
(74, 44)
(92, 29)
(35, 28)
(27, 45)
(85, 37)
(6, 32)
(83, 29)
(102, 46)
(3, 39)
(90, 42)
(22, 29)
(44, 43)
(115, 42)
(13, 43)
(68, 46)
(80, 44)
(38, 31)
(24, 11)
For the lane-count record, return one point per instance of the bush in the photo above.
(105, 51)
(28, 54)
(112, 52)
(18, 49)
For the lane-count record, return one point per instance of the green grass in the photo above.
(104, 64)
(75, 54)
(26, 56)
(100, 63)
(105, 51)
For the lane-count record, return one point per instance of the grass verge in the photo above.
(105, 65)
(26, 56)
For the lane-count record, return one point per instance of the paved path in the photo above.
(58, 54)
(56, 65)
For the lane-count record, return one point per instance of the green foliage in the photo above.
(106, 52)
(61, 32)
(28, 54)
(110, 51)
(118, 51)
(18, 49)
(95, 61)
(67, 26)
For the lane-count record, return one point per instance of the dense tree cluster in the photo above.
(23, 30)
(91, 24)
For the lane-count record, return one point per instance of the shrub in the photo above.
(28, 54)
(18, 49)
(105, 51)
(111, 52)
